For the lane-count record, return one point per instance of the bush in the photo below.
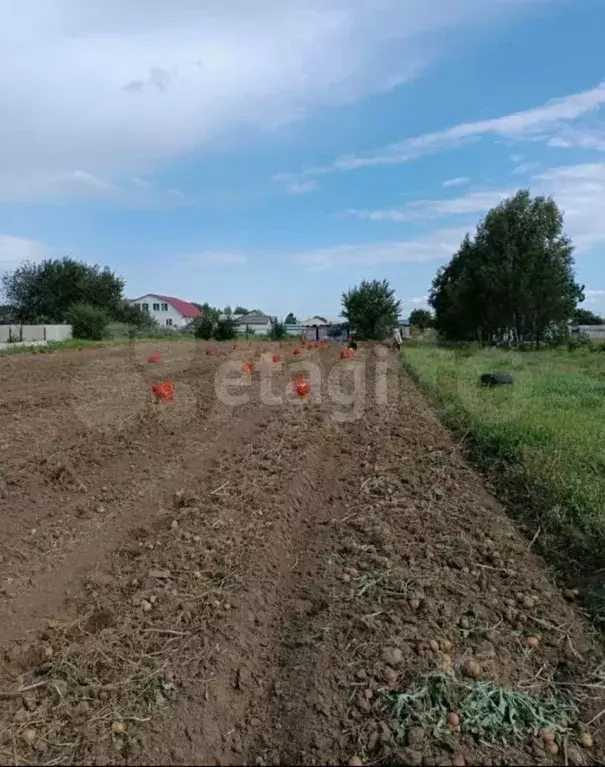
(203, 327)
(225, 329)
(89, 322)
(133, 316)
(278, 332)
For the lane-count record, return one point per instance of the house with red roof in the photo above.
(168, 311)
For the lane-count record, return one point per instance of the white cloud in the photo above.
(14, 250)
(579, 190)
(302, 187)
(586, 137)
(459, 181)
(436, 246)
(112, 89)
(548, 122)
(473, 202)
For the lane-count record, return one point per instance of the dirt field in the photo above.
(200, 582)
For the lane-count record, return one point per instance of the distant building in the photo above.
(325, 328)
(168, 311)
(594, 332)
(256, 323)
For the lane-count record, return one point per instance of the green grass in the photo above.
(544, 436)
(486, 710)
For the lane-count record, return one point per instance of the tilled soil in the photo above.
(199, 582)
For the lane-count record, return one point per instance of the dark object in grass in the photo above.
(353, 345)
(496, 379)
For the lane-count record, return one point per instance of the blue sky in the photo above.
(274, 154)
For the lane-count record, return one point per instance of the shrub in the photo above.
(225, 329)
(203, 327)
(278, 332)
(88, 321)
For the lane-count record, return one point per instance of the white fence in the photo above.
(594, 332)
(34, 333)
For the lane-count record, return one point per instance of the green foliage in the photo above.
(278, 332)
(371, 309)
(134, 316)
(586, 317)
(211, 313)
(6, 315)
(486, 710)
(225, 329)
(240, 310)
(421, 319)
(203, 327)
(513, 281)
(89, 322)
(44, 292)
(290, 319)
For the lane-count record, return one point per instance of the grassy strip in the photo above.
(542, 438)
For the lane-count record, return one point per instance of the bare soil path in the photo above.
(198, 582)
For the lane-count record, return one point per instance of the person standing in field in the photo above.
(397, 339)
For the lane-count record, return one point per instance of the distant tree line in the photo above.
(56, 291)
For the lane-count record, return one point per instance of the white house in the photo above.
(169, 312)
(256, 323)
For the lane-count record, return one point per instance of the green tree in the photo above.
(88, 321)
(586, 317)
(371, 309)
(290, 319)
(6, 315)
(203, 327)
(225, 329)
(277, 332)
(44, 292)
(134, 316)
(421, 319)
(240, 310)
(513, 281)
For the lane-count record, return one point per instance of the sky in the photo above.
(273, 154)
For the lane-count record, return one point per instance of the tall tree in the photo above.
(371, 309)
(513, 281)
(44, 292)
(421, 319)
(240, 310)
(290, 319)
